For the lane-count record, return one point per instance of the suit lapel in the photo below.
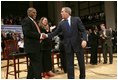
(72, 24)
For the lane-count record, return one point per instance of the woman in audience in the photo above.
(94, 46)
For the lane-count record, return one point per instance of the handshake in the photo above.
(43, 36)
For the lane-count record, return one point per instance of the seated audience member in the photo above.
(21, 45)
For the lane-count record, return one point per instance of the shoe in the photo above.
(65, 71)
(45, 75)
(94, 64)
(110, 63)
(50, 74)
(105, 63)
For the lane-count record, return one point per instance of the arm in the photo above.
(82, 29)
(109, 36)
(56, 32)
(27, 31)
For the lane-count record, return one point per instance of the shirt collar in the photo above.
(69, 18)
(31, 18)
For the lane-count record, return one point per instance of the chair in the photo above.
(12, 53)
(99, 52)
(55, 54)
(87, 52)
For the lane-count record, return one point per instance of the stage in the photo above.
(99, 71)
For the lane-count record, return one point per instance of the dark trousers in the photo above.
(107, 48)
(35, 66)
(63, 57)
(94, 51)
(70, 62)
(46, 61)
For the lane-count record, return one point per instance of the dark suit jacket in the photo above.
(108, 39)
(72, 37)
(31, 36)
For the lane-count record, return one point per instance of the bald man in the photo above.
(32, 44)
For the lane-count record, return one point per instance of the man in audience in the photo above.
(106, 36)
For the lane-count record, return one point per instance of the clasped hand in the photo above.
(83, 44)
(43, 36)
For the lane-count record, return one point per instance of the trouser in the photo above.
(46, 61)
(106, 49)
(94, 51)
(35, 66)
(63, 57)
(70, 62)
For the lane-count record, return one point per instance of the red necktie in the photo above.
(37, 27)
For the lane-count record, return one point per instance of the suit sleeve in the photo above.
(56, 32)
(82, 29)
(27, 31)
(109, 36)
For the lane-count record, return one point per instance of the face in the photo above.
(45, 21)
(64, 14)
(110, 29)
(90, 31)
(33, 14)
(102, 27)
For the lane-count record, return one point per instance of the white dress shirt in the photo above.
(69, 20)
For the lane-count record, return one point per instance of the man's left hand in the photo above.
(84, 43)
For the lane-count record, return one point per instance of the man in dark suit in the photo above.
(106, 36)
(71, 27)
(32, 44)
(62, 53)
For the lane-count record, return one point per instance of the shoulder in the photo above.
(100, 32)
(27, 19)
(108, 30)
(61, 22)
(76, 18)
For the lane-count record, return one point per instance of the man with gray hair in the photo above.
(32, 41)
(74, 42)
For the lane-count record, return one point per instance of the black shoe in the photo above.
(94, 64)
(110, 63)
(82, 77)
(105, 63)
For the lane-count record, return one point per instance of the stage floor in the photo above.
(99, 71)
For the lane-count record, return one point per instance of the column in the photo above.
(110, 14)
(30, 3)
(51, 11)
(58, 7)
(75, 8)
